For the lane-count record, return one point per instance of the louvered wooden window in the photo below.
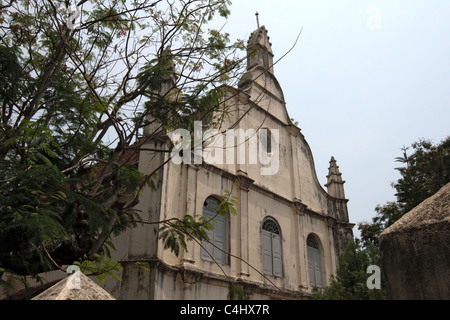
(314, 262)
(215, 248)
(271, 248)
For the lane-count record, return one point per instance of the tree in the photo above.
(351, 278)
(386, 215)
(423, 173)
(79, 83)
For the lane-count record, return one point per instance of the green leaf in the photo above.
(44, 158)
(143, 265)
(60, 195)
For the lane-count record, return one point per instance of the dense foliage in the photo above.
(424, 172)
(79, 82)
(350, 282)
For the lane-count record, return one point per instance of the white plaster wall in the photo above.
(261, 207)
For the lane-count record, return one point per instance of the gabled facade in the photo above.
(288, 231)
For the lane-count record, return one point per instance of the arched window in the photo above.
(314, 262)
(215, 248)
(271, 248)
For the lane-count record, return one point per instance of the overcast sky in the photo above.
(365, 78)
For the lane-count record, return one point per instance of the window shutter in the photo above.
(207, 251)
(267, 251)
(276, 250)
(219, 239)
(318, 269)
(311, 268)
(314, 267)
(215, 248)
(207, 248)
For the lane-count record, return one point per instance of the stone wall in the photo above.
(415, 251)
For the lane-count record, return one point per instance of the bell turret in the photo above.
(259, 81)
(335, 184)
(260, 50)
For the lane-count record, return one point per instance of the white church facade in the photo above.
(287, 232)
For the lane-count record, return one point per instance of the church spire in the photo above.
(259, 52)
(168, 77)
(259, 81)
(335, 185)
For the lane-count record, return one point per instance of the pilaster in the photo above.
(293, 133)
(244, 183)
(299, 213)
(191, 208)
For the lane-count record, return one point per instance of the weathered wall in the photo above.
(415, 251)
(291, 195)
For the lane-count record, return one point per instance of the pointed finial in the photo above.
(257, 19)
(335, 185)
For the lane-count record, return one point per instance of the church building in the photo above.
(287, 232)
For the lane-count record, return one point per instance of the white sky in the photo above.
(365, 78)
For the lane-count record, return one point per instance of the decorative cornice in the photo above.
(244, 181)
(300, 208)
(331, 221)
(294, 130)
(331, 198)
(247, 184)
(316, 215)
(193, 275)
(251, 185)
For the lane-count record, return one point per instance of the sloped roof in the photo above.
(70, 289)
(435, 209)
